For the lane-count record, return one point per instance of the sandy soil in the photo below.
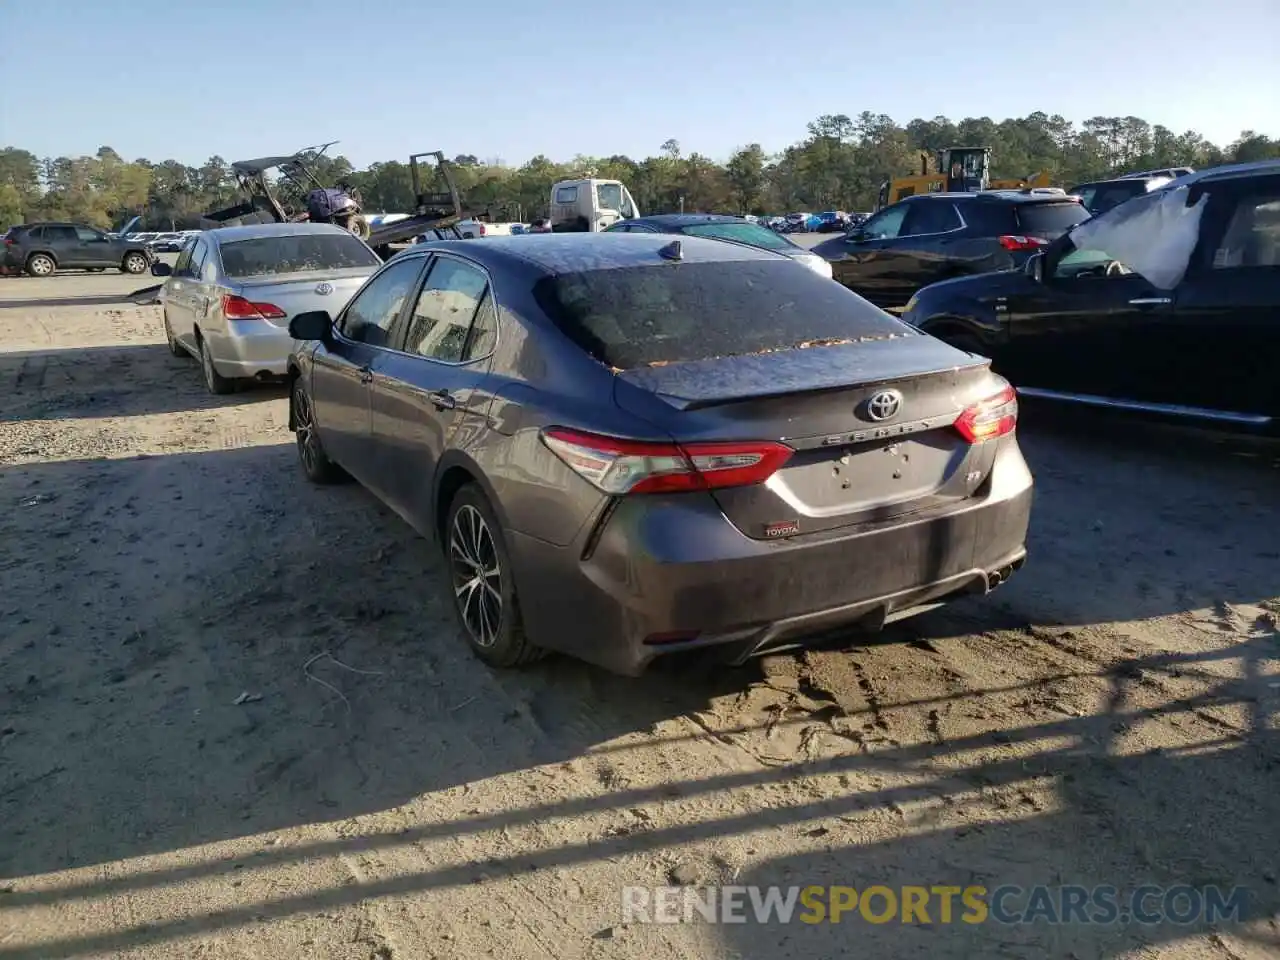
(236, 721)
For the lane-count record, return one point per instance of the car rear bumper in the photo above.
(253, 348)
(660, 575)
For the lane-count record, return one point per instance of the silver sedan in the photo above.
(229, 298)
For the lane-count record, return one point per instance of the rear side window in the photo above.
(1050, 219)
(638, 316)
(441, 323)
(295, 253)
(1252, 238)
(750, 233)
(931, 216)
(567, 195)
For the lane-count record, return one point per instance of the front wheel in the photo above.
(133, 263)
(315, 462)
(480, 575)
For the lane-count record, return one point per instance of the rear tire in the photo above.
(41, 265)
(480, 578)
(174, 346)
(216, 382)
(315, 462)
(133, 262)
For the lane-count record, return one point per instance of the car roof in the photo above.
(1139, 178)
(685, 219)
(557, 253)
(1227, 171)
(1007, 196)
(258, 231)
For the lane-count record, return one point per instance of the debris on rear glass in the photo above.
(802, 345)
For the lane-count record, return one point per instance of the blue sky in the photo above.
(513, 78)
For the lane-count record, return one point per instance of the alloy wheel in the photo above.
(477, 575)
(304, 429)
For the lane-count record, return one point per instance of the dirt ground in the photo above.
(236, 720)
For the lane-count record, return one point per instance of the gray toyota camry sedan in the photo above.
(634, 446)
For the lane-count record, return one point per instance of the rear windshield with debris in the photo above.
(295, 253)
(638, 316)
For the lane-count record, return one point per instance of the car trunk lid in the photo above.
(299, 292)
(856, 460)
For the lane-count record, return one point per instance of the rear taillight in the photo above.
(1022, 243)
(633, 466)
(481, 229)
(990, 418)
(238, 308)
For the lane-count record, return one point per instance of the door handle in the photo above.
(1150, 301)
(443, 400)
(366, 375)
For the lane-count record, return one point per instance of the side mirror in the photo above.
(161, 269)
(1034, 268)
(856, 236)
(311, 325)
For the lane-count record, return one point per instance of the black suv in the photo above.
(935, 236)
(1150, 307)
(43, 248)
(1100, 195)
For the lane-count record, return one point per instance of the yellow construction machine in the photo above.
(954, 170)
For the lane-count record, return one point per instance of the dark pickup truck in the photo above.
(41, 249)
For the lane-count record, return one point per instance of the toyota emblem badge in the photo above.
(324, 289)
(884, 405)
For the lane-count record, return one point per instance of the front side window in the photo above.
(89, 235)
(442, 316)
(1252, 237)
(373, 311)
(886, 224)
(609, 196)
(184, 258)
(1079, 264)
(198, 255)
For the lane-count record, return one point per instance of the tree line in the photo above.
(838, 165)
